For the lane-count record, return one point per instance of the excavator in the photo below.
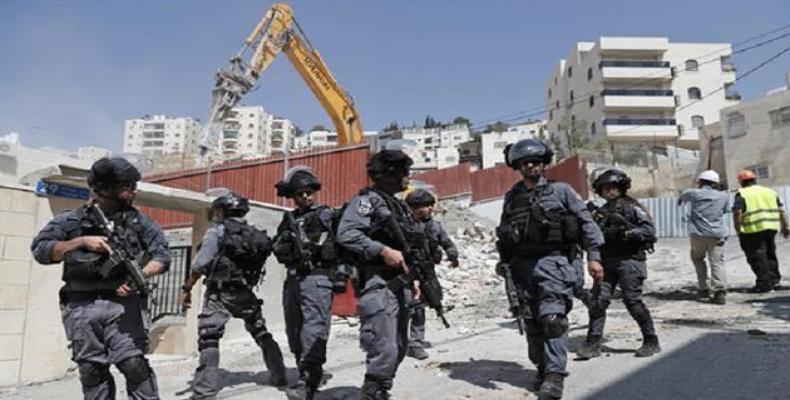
(277, 32)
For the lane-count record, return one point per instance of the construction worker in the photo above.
(304, 245)
(231, 258)
(365, 229)
(757, 214)
(629, 233)
(708, 235)
(105, 319)
(422, 202)
(540, 257)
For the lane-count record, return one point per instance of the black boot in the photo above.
(551, 388)
(720, 297)
(300, 392)
(591, 348)
(649, 347)
(273, 358)
(540, 375)
(373, 390)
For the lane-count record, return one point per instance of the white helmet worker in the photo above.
(709, 175)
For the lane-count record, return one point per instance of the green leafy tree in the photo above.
(462, 121)
(499, 126)
(318, 127)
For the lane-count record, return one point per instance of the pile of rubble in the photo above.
(472, 291)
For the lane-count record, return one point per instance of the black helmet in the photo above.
(231, 205)
(524, 149)
(388, 161)
(419, 198)
(107, 172)
(613, 177)
(297, 177)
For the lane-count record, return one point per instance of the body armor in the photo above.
(243, 250)
(616, 246)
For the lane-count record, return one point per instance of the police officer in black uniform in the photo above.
(304, 244)
(231, 258)
(105, 317)
(422, 203)
(382, 306)
(542, 224)
(629, 233)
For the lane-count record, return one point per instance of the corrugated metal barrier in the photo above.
(671, 220)
(493, 183)
(342, 171)
(448, 182)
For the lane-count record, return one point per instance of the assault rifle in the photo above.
(301, 255)
(420, 264)
(600, 215)
(119, 256)
(514, 300)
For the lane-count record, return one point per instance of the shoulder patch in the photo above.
(364, 207)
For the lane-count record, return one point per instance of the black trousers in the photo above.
(760, 249)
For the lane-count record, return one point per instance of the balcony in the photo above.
(640, 129)
(232, 135)
(630, 99)
(732, 95)
(728, 67)
(613, 70)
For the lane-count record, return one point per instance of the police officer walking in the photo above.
(382, 306)
(757, 215)
(105, 316)
(422, 203)
(305, 245)
(231, 258)
(629, 234)
(542, 224)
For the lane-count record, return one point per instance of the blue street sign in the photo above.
(61, 190)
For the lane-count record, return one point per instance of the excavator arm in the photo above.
(273, 34)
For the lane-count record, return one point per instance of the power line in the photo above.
(538, 110)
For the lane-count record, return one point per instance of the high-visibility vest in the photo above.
(762, 210)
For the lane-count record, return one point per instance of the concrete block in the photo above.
(17, 224)
(12, 322)
(14, 272)
(13, 297)
(5, 199)
(9, 373)
(10, 347)
(23, 202)
(17, 248)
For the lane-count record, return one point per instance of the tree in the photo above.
(462, 121)
(393, 126)
(499, 126)
(318, 127)
(431, 123)
(298, 131)
(575, 133)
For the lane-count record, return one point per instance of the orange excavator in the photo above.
(277, 32)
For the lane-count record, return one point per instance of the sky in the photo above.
(71, 72)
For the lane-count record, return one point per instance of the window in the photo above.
(558, 104)
(691, 65)
(589, 74)
(593, 129)
(780, 117)
(549, 92)
(500, 145)
(570, 72)
(551, 115)
(761, 170)
(250, 125)
(694, 93)
(571, 96)
(249, 136)
(697, 121)
(736, 125)
(592, 100)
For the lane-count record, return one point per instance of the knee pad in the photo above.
(93, 374)
(135, 369)
(209, 337)
(554, 325)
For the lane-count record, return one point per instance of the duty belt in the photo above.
(90, 296)
(316, 271)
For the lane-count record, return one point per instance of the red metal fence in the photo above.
(342, 171)
(492, 183)
(448, 181)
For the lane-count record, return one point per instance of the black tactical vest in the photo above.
(81, 267)
(243, 250)
(615, 246)
(530, 230)
(316, 242)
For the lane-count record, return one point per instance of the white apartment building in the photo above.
(493, 143)
(245, 133)
(436, 147)
(92, 153)
(155, 135)
(281, 132)
(321, 138)
(641, 89)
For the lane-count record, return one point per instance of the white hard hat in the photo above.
(709, 175)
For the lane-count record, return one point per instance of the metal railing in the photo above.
(639, 121)
(634, 63)
(636, 92)
(164, 298)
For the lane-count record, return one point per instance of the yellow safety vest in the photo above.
(762, 212)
